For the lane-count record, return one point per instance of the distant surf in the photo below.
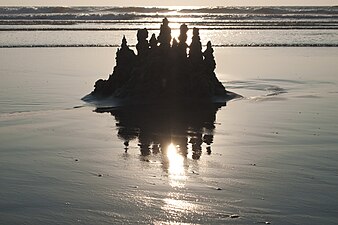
(216, 17)
(227, 26)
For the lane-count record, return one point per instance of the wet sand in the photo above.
(267, 158)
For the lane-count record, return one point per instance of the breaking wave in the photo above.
(310, 16)
(226, 26)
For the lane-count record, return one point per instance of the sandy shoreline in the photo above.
(273, 156)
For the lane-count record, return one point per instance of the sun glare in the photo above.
(176, 171)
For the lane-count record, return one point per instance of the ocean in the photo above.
(267, 158)
(247, 26)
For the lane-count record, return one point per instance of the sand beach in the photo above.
(272, 158)
(269, 157)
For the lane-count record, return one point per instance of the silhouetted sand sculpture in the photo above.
(162, 72)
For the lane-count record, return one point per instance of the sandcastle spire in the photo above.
(182, 46)
(124, 42)
(124, 55)
(165, 71)
(153, 41)
(195, 53)
(183, 33)
(142, 46)
(209, 59)
(164, 37)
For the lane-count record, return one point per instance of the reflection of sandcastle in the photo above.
(163, 70)
(188, 129)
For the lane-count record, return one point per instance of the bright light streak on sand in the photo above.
(176, 171)
(177, 207)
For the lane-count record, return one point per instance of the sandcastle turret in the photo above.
(142, 46)
(209, 59)
(153, 42)
(195, 53)
(182, 46)
(164, 37)
(124, 42)
(161, 71)
(124, 55)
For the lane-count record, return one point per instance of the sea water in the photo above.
(224, 26)
(268, 158)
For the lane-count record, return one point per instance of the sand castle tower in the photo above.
(161, 71)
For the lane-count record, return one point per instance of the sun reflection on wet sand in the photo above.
(178, 207)
(176, 172)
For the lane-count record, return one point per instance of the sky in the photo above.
(166, 2)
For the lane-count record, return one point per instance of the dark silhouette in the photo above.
(183, 38)
(209, 59)
(163, 72)
(153, 42)
(165, 34)
(195, 53)
(142, 45)
(166, 94)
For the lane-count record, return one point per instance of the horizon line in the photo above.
(159, 6)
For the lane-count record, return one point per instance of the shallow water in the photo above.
(267, 158)
(219, 38)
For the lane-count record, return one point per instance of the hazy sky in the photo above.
(167, 2)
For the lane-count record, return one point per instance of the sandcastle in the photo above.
(163, 70)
